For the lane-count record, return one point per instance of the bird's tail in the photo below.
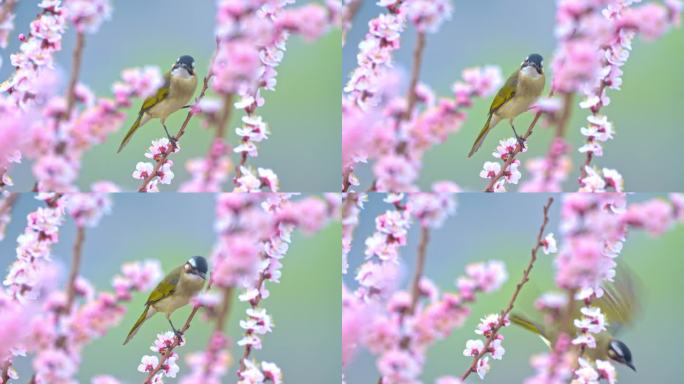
(483, 133)
(144, 316)
(131, 131)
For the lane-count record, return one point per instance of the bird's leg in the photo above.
(171, 138)
(521, 141)
(178, 333)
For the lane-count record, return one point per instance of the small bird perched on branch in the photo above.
(179, 86)
(173, 292)
(516, 96)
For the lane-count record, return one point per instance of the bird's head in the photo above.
(535, 61)
(619, 352)
(184, 66)
(197, 265)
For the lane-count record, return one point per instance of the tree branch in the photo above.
(511, 157)
(348, 15)
(505, 312)
(170, 348)
(77, 57)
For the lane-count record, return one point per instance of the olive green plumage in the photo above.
(619, 304)
(174, 291)
(179, 86)
(516, 96)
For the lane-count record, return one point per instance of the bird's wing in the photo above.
(525, 323)
(620, 301)
(165, 288)
(505, 93)
(160, 95)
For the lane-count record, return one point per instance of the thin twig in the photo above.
(8, 204)
(71, 283)
(420, 268)
(511, 156)
(181, 132)
(168, 350)
(76, 58)
(505, 312)
(5, 371)
(75, 266)
(412, 96)
(348, 14)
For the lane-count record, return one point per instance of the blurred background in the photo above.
(172, 227)
(504, 227)
(646, 113)
(303, 114)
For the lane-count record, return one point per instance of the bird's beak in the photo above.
(202, 275)
(631, 366)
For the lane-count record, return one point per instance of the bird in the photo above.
(516, 96)
(619, 304)
(179, 86)
(173, 292)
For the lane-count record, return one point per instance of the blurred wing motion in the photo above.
(619, 304)
(620, 301)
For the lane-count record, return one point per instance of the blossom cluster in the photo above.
(393, 130)
(253, 236)
(399, 325)
(251, 38)
(51, 324)
(595, 40)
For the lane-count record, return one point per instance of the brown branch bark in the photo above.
(525, 278)
(176, 342)
(181, 132)
(77, 58)
(8, 204)
(75, 266)
(411, 97)
(71, 283)
(348, 15)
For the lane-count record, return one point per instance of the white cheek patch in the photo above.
(181, 72)
(192, 262)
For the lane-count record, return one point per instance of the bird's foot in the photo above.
(521, 142)
(179, 335)
(173, 141)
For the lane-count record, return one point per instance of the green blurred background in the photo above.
(171, 227)
(646, 113)
(303, 114)
(504, 227)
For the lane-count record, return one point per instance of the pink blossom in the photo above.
(427, 16)
(655, 216)
(87, 15)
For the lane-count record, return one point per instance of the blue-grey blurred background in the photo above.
(646, 113)
(504, 227)
(303, 114)
(172, 227)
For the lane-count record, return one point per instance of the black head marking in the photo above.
(187, 62)
(535, 60)
(619, 352)
(199, 264)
